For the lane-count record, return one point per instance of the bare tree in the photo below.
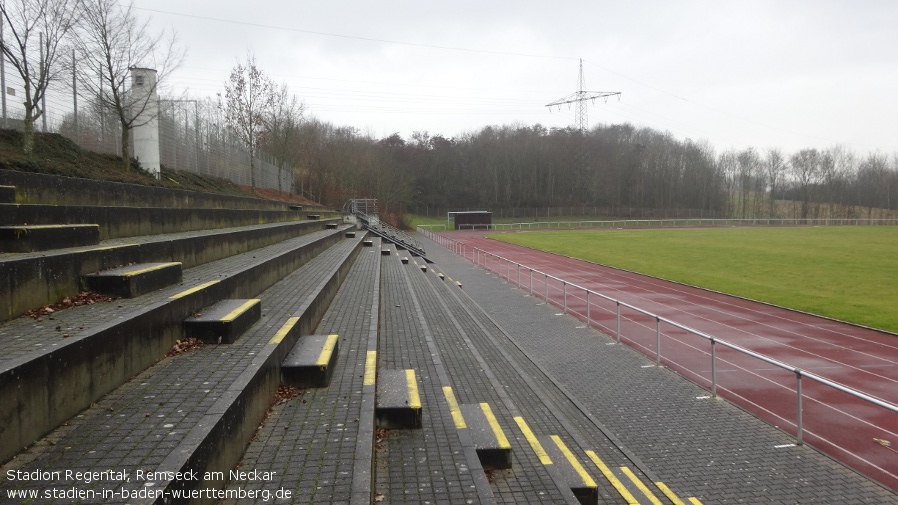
(48, 21)
(250, 97)
(110, 42)
(775, 167)
(805, 168)
(748, 163)
(282, 130)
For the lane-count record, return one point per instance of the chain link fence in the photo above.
(192, 135)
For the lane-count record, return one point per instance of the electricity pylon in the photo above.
(580, 98)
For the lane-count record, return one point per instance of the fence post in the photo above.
(713, 368)
(798, 420)
(531, 282)
(564, 296)
(546, 276)
(657, 340)
(587, 308)
(618, 320)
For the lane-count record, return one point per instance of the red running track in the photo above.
(834, 422)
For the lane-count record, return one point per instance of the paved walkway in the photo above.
(706, 447)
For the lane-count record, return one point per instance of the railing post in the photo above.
(587, 308)
(657, 340)
(618, 321)
(519, 274)
(798, 420)
(546, 276)
(564, 296)
(713, 368)
(531, 282)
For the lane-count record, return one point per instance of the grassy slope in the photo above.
(845, 273)
(54, 154)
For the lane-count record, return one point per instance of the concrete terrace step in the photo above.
(198, 411)
(133, 280)
(60, 190)
(28, 281)
(489, 439)
(311, 362)
(119, 221)
(398, 401)
(571, 469)
(29, 238)
(224, 322)
(46, 377)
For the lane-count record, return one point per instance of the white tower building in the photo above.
(146, 125)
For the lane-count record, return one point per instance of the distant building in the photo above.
(473, 220)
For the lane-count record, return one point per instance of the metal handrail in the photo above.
(483, 258)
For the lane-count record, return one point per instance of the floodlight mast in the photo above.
(580, 98)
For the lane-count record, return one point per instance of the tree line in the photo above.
(625, 167)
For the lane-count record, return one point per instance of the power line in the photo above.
(356, 37)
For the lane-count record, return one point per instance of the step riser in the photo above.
(32, 283)
(586, 492)
(491, 452)
(23, 240)
(42, 393)
(120, 222)
(219, 331)
(394, 409)
(7, 194)
(397, 418)
(131, 286)
(60, 190)
(300, 368)
(29, 283)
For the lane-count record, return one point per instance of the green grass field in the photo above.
(848, 273)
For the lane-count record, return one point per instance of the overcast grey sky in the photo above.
(787, 74)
